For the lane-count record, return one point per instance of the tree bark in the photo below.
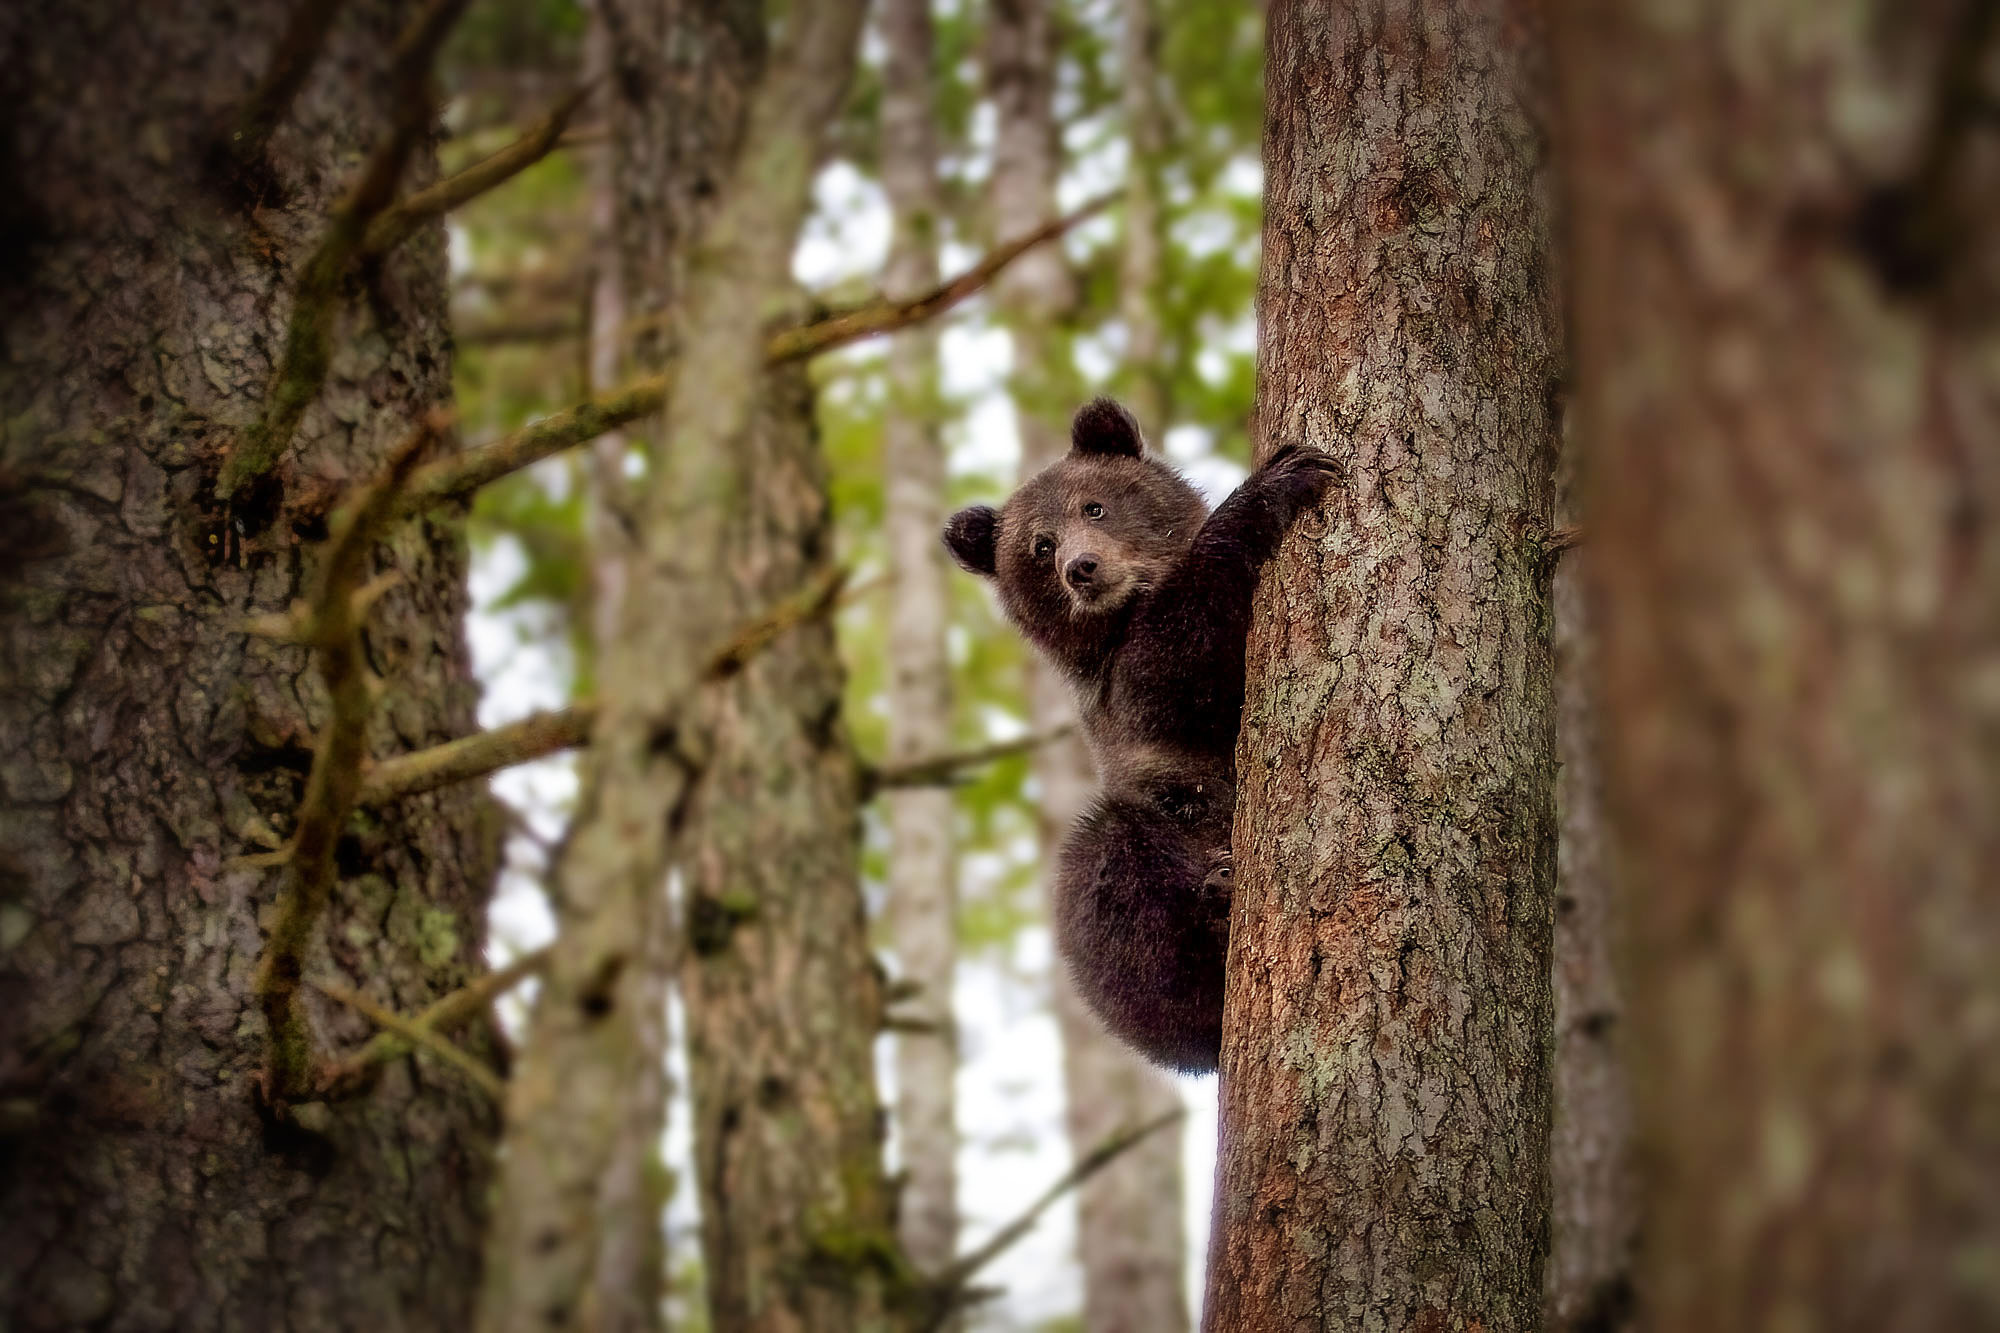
(1786, 348)
(148, 742)
(1386, 1048)
(1594, 1204)
(783, 996)
(1129, 1219)
(923, 895)
(574, 1228)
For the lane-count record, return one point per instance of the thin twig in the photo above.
(948, 1288)
(333, 627)
(941, 769)
(1563, 538)
(457, 477)
(884, 316)
(547, 733)
(266, 107)
(308, 353)
(416, 1034)
(396, 224)
(442, 1016)
(533, 737)
(543, 328)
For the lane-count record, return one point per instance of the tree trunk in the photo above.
(1129, 1218)
(148, 742)
(783, 997)
(1787, 345)
(572, 1223)
(923, 906)
(1142, 259)
(1386, 1048)
(1594, 1208)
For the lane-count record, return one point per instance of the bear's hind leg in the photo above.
(1143, 932)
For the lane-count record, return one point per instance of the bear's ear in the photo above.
(1103, 427)
(969, 535)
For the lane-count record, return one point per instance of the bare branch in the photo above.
(883, 316)
(396, 224)
(534, 737)
(809, 603)
(416, 1034)
(547, 733)
(309, 338)
(457, 477)
(333, 627)
(1562, 539)
(948, 1289)
(444, 1015)
(266, 107)
(544, 328)
(942, 769)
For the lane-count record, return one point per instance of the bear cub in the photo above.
(1111, 565)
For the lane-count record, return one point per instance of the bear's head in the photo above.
(1084, 536)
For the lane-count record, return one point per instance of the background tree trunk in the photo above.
(923, 896)
(148, 740)
(783, 995)
(1386, 1050)
(1594, 1205)
(1787, 345)
(1129, 1216)
(572, 1221)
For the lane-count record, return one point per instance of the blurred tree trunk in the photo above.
(1593, 1205)
(923, 897)
(1386, 1052)
(1129, 1217)
(1141, 267)
(783, 996)
(574, 1134)
(674, 78)
(148, 741)
(1789, 272)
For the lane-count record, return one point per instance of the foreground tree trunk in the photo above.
(1385, 1059)
(1129, 1223)
(1787, 343)
(148, 742)
(923, 894)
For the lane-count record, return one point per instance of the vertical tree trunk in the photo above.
(1129, 1224)
(146, 741)
(783, 998)
(569, 1223)
(1787, 345)
(1594, 1208)
(1139, 275)
(1386, 1049)
(922, 869)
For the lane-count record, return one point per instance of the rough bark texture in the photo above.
(572, 1223)
(922, 868)
(1129, 1223)
(1594, 1205)
(1386, 1048)
(1786, 374)
(147, 740)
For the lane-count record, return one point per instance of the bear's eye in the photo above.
(1044, 547)
(1093, 510)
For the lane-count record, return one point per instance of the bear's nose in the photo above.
(1079, 570)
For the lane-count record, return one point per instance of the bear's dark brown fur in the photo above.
(1110, 564)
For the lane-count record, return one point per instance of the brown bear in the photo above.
(1111, 565)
